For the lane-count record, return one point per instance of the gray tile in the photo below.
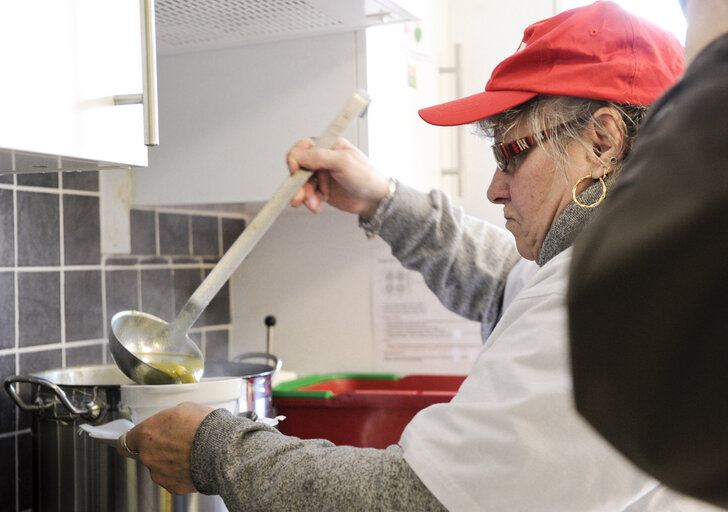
(157, 296)
(8, 179)
(174, 233)
(7, 310)
(197, 338)
(6, 162)
(39, 308)
(36, 362)
(81, 230)
(38, 229)
(122, 261)
(217, 345)
(82, 356)
(36, 179)
(143, 232)
(186, 259)
(7, 470)
(39, 361)
(7, 406)
(83, 305)
(122, 287)
(154, 260)
(231, 230)
(185, 282)
(205, 238)
(7, 229)
(218, 311)
(35, 161)
(78, 164)
(83, 180)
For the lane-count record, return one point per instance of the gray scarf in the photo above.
(571, 221)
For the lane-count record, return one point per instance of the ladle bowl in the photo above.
(139, 340)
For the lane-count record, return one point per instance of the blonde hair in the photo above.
(566, 118)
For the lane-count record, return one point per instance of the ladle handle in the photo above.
(250, 236)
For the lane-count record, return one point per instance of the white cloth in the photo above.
(107, 432)
(511, 439)
(518, 277)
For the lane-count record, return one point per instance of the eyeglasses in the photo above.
(505, 151)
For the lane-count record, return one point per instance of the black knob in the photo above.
(270, 320)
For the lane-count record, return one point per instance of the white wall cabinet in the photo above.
(228, 115)
(64, 62)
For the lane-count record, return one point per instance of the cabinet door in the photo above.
(63, 62)
(228, 117)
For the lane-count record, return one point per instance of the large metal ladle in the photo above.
(134, 334)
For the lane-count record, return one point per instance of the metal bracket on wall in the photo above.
(457, 169)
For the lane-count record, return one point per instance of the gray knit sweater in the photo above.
(465, 261)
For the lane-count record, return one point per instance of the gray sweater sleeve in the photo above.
(254, 467)
(464, 260)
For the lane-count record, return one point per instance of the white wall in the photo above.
(401, 77)
(312, 273)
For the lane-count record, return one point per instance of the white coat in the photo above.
(511, 439)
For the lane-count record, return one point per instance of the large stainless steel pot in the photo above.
(76, 473)
(71, 471)
(257, 379)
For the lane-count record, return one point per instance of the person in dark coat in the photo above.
(648, 317)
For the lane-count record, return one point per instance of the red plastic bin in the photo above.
(367, 410)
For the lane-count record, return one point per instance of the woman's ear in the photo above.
(607, 138)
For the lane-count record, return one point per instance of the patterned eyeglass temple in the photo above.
(505, 151)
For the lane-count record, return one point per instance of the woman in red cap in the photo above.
(562, 112)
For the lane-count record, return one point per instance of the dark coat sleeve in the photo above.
(648, 312)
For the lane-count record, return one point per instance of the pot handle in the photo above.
(277, 363)
(91, 412)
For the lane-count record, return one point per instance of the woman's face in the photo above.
(533, 193)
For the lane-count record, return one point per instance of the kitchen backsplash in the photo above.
(58, 292)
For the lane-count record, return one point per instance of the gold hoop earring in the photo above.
(601, 198)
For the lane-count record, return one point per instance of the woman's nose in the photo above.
(498, 189)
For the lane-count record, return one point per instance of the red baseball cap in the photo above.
(599, 52)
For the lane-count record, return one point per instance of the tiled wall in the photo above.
(58, 292)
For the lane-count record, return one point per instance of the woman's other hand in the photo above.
(345, 178)
(164, 443)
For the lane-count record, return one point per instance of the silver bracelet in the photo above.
(373, 224)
